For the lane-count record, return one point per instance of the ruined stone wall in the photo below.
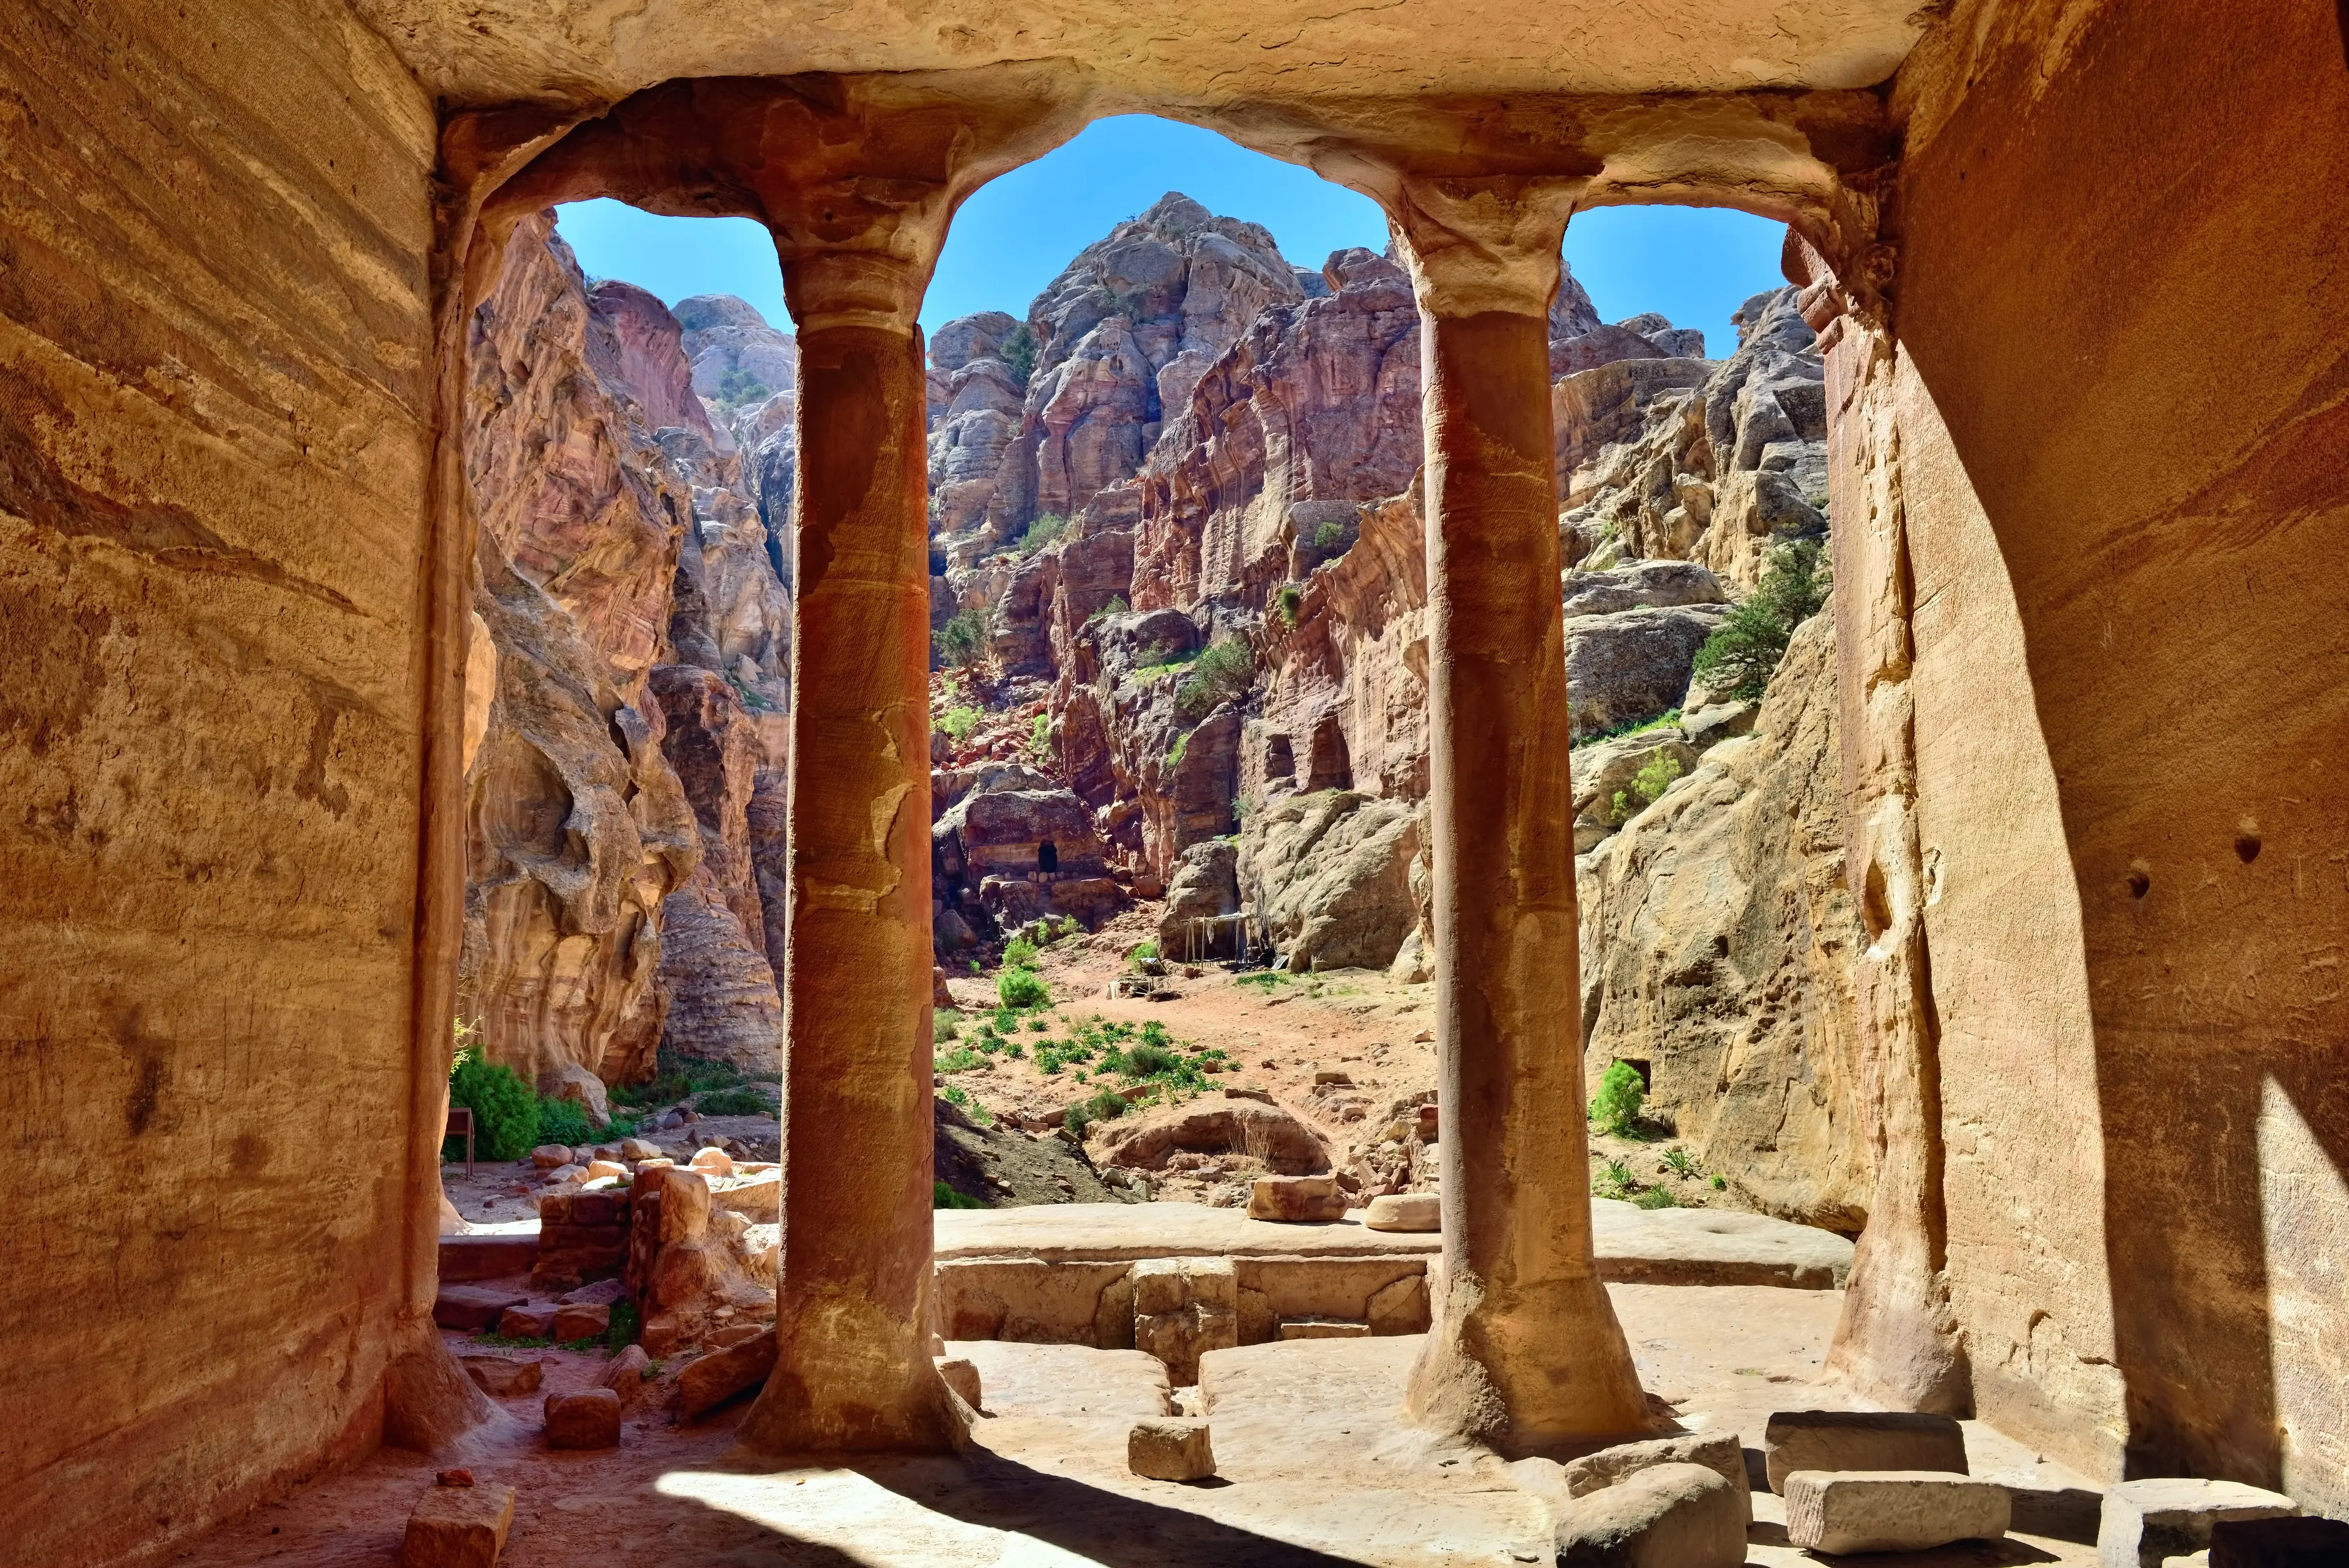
(2128, 716)
(214, 387)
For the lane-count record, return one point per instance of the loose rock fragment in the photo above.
(2144, 1522)
(1860, 1440)
(1170, 1447)
(625, 1373)
(961, 1374)
(717, 1377)
(583, 1320)
(1721, 1453)
(1297, 1199)
(1667, 1516)
(473, 1307)
(500, 1376)
(1891, 1511)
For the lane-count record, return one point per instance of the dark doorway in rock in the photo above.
(1646, 1082)
(1047, 857)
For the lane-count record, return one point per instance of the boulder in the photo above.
(1631, 666)
(625, 1374)
(1642, 585)
(2146, 1522)
(1604, 770)
(1860, 1440)
(1170, 1447)
(711, 1381)
(1891, 1511)
(1227, 1125)
(636, 1148)
(570, 1081)
(1204, 884)
(1405, 1212)
(1720, 1452)
(713, 1161)
(1330, 876)
(458, 1526)
(1297, 1199)
(530, 1320)
(550, 1157)
(583, 1320)
(500, 1376)
(1667, 1516)
(588, 1420)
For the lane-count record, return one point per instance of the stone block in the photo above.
(1320, 1328)
(1721, 1452)
(554, 1208)
(1891, 1511)
(530, 1320)
(473, 1307)
(1183, 1308)
(961, 1374)
(1297, 1199)
(500, 1376)
(589, 1420)
(550, 1157)
(709, 1382)
(458, 1526)
(594, 1209)
(2279, 1544)
(2144, 1522)
(684, 1271)
(625, 1374)
(583, 1320)
(599, 1168)
(566, 1176)
(1405, 1212)
(1170, 1447)
(1860, 1440)
(636, 1148)
(1666, 1516)
(486, 1257)
(713, 1161)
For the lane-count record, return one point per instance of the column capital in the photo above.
(1483, 243)
(856, 176)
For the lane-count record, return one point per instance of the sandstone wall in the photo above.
(2146, 1123)
(214, 387)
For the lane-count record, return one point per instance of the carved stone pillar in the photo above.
(1526, 1352)
(852, 1367)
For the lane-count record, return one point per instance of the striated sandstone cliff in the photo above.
(626, 706)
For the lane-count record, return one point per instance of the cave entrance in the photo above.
(1048, 858)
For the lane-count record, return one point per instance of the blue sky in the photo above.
(1694, 264)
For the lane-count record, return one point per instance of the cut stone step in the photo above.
(1860, 1440)
(1891, 1511)
(1321, 1328)
(473, 1306)
(2144, 1522)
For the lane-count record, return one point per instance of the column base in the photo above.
(1484, 1379)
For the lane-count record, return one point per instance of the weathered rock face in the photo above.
(1330, 876)
(1705, 461)
(613, 895)
(1717, 941)
(729, 347)
(578, 828)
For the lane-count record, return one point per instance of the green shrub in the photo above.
(955, 1095)
(959, 722)
(1116, 606)
(674, 1077)
(621, 1331)
(505, 1112)
(1142, 1061)
(1044, 531)
(737, 386)
(1019, 953)
(736, 1103)
(1287, 602)
(1616, 1105)
(1019, 352)
(960, 1060)
(1105, 1105)
(1022, 988)
(1144, 951)
(1040, 736)
(1721, 1184)
(946, 1028)
(1329, 536)
(563, 1121)
(1648, 785)
(1669, 716)
(1040, 1024)
(1221, 674)
(1174, 754)
(1738, 659)
(1656, 1197)
(962, 641)
(1154, 1034)
(1614, 1180)
(945, 1197)
(1677, 1159)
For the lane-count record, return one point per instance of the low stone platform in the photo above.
(1636, 1246)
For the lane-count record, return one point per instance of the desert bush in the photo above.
(1022, 989)
(1040, 736)
(563, 1121)
(1019, 352)
(1656, 1197)
(1019, 953)
(736, 1103)
(1329, 535)
(1044, 531)
(1287, 601)
(1221, 674)
(1617, 1104)
(1105, 1105)
(1116, 606)
(1143, 1061)
(1144, 951)
(505, 1112)
(1677, 1159)
(1739, 657)
(1648, 785)
(945, 1197)
(962, 641)
(959, 722)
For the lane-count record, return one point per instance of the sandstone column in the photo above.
(853, 1369)
(1526, 1352)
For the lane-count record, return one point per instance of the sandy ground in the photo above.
(1315, 1467)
